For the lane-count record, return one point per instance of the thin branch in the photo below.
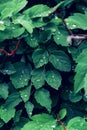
(72, 36)
(13, 51)
(61, 123)
(69, 31)
(76, 37)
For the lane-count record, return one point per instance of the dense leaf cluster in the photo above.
(43, 83)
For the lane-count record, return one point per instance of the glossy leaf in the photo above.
(29, 108)
(59, 128)
(74, 97)
(12, 101)
(77, 123)
(4, 90)
(2, 27)
(22, 75)
(32, 39)
(41, 122)
(53, 78)
(42, 97)
(40, 57)
(25, 22)
(60, 37)
(38, 78)
(6, 114)
(60, 61)
(25, 93)
(12, 7)
(62, 113)
(81, 72)
(11, 32)
(1, 123)
(16, 118)
(45, 36)
(41, 10)
(38, 22)
(8, 69)
(77, 20)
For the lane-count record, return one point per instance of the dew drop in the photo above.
(81, 124)
(13, 28)
(30, 113)
(41, 61)
(59, 33)
(58, 38)
(53, 126)
(74, 26)
(85, 96)
(56, 17)
(25, 95)
(44, 57)
(67, 24)
(41, 125)
(25, 80)
(42, 28)
(1, 22)
(22, 71)
(70, 91)
(52, 76)
(38, 80)
(57, 59)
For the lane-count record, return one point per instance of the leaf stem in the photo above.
(61, 123)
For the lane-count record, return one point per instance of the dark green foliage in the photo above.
(43, 65)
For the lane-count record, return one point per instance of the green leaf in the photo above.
(11, 31)
(19, 5)
(45, 36)
(81, 72)
(40, 57)
(60, 61)
(22, 75)
(38, 22)
(77, 20)
(12, 101)
(37, 11)
(41, 122)
(16, 118)
(60, 37)
(8, 69)
(42, 97)
(32, 39)
(74, 97)
(77, 123)
(25, 22)
(56, 20)
(50, 27)
(62, 113)
(4, 90)
(1, 123)
(29, 108)
(41, 10)
(59, 128)
(38, 78)
(2, 26)
(21, 123)
(6, 114)
(53, 78)
(12, 7)
(25, 93)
